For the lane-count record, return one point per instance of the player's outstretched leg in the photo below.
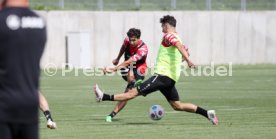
(100, 96)
(121, 104)
(189, 107)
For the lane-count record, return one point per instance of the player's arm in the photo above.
(120, 66)
(184, 53)
(124, 64)
(121, 52)
(138, 56)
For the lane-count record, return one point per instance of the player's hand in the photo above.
(108, 70)
(115, 62)
(191, 65)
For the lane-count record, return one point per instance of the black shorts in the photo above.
(162, 83)
(137, 75)
(18, 131)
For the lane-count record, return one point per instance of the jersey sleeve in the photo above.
(170, 39)
(141, 52)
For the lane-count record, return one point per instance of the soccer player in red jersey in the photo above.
(133, 68)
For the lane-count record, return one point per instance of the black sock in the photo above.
(107, 97)
(48, 115)
(112, 114)
(202, 112)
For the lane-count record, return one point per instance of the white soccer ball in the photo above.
(156, 112)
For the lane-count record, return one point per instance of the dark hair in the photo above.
(168, 19)
(133, 32)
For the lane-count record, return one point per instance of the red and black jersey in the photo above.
(138, 53)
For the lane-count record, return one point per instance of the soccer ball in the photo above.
(156, 112)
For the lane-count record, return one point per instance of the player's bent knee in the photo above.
(132, 93)
(176, 106)
(129, 96)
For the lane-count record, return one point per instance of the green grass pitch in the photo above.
(245, 104)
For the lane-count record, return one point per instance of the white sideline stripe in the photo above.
(236, 109)
(218, 82)
(268, 80)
